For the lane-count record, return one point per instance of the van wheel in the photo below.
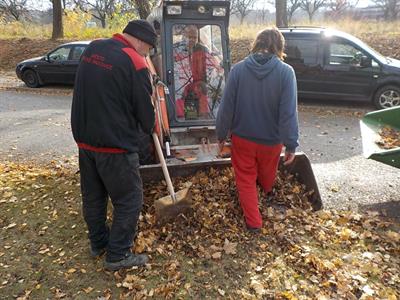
(30, 78)
(387, 96)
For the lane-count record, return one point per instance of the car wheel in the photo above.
(387, 96)
(30, 78)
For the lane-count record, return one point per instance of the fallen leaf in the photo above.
(257, 287)
(88, 290)
(229, 248)
(216, 255)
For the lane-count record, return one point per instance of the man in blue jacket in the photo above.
(259, 111)
(111, 107)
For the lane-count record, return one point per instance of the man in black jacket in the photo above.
(111, 106)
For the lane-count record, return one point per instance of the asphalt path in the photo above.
(36, 127)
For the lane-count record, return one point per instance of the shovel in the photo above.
(168, 207)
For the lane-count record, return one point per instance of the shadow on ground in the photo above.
(390, 209)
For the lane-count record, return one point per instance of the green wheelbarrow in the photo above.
(370, 125)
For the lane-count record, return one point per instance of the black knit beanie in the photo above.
(142, 30)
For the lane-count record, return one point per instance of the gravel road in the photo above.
(36, 127)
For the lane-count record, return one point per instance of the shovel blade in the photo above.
(167, 209)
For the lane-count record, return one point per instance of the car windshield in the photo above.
(370, 50)
(361, 44)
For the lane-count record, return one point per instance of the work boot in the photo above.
(253, 230)
(130, 260)
(97, 252)
(269, 196)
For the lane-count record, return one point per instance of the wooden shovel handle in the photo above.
(164, 166)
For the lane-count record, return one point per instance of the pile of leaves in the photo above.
(240, 48)
(389, 138)
(13, 51)
(386, 44)
(207, 253)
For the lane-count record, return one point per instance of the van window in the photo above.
(302, 51)
(342, 53)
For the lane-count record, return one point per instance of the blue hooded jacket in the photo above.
(260, 102)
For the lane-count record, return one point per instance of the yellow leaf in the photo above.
(296, 189)
(88, 290)
(393, 236)
(334, 188)
(289, 296)
(347, 233)
(71, 271)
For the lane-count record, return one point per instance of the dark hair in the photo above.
(270, 40)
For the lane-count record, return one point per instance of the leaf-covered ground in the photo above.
(389, 138)
(207, 253)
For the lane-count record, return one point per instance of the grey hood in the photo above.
(260, 70)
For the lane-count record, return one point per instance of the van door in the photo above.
(346, 75)
(304, 55)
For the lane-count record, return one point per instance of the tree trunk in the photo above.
(57, 20)
(281, 13)
(143, 7)
(242, 16)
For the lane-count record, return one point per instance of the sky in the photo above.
(46, 4)
(261, 3)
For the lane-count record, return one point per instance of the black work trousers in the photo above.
(117, 176)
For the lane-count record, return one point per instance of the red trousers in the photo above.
(253, 162)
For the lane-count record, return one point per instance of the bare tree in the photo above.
(13, 9)
(67, 4)
(281, 13)
(99, 9)
(263, 12)
(390, 8)
(312, 6)
(338, 7)
(143, 7)
(292, 6)
(58, 31)
(242, 8)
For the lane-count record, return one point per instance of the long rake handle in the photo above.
(164, 167)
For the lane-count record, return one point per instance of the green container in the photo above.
(370, 126)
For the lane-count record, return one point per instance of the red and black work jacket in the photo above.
(112, 97)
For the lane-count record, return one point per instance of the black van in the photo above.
(331, 64)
